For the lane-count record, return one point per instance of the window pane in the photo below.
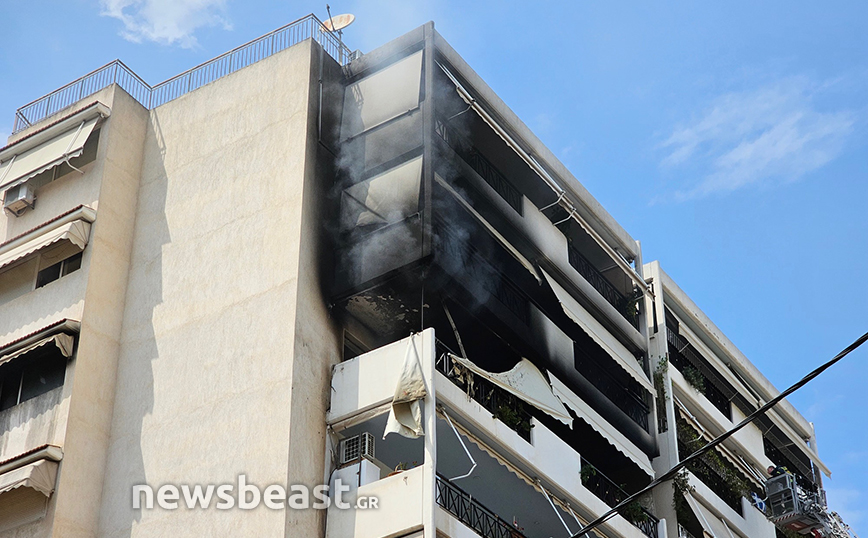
(49, 274)
(43, 373)
(73, 263)
(10, 379)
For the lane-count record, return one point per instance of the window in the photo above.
(34, 373)
(59, 269)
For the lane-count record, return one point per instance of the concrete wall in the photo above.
(92, 380)
(219, 372)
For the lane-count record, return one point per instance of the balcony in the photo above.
(610, 493)
(628, 400)
(624, 305)
(363, 385)
(510, 410)
(472, 513)
(690, 363)
(506, 189)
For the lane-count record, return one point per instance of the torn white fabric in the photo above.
(405, 415)
(600, 425)
(525, 381)
(39, 475)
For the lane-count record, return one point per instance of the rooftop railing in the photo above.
(116, 72)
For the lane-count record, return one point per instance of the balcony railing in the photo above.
(610, 493)
(682, 356)
(626, 307)
(116, 72)
(624, 399)
(486, 170)
(712, 478)
(473, 514)
(509, 409)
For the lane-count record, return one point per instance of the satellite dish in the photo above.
(339, 22)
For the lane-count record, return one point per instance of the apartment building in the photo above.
(303, 264)
(705, 386)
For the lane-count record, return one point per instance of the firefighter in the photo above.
(777, 471)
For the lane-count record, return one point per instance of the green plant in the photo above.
(588, 471)
(634, 512)
(513, 419)
(680, 486)
(630, 305)
(715, 470)
(694, 377)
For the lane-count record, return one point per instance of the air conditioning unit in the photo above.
(353, 448)
(19, 199)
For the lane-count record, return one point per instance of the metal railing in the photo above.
(116, 72)
(711, 477)
(624, 306)
(473, 514)
(628, 401)
(610, 493)
(482, 166)
(682, 355)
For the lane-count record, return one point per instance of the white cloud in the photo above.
(774, 134)
(165, 21)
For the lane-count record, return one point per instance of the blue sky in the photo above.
(729, 139)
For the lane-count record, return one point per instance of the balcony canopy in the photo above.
(74, 233)
(712, 526)
(32, 162)
(599, 334)
(64, 343)
(39, 475)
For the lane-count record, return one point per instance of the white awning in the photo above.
(525, 381)
(712, 526)
(76, 232)
(491, 229)
(64, 343)
(381, 96)
(34, 161)
(39, 475)
(383, 199)
(600, 425)
(599, 334)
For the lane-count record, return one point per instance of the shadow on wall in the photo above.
(134, 399)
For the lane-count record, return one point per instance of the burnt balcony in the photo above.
(626, 306)
(624, 301)
(625, 394)
(505, 406)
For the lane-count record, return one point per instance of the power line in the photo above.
(722, 437)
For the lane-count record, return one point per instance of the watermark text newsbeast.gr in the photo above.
(246, 496)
